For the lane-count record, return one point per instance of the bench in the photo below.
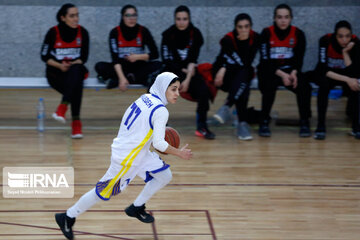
(41, 82)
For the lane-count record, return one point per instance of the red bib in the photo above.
(67, 51)
(282, 49)
(251, 39)
(134, 46)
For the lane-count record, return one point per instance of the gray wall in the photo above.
(23, 27)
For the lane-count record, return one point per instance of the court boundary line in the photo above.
(153, 227)
(57, 229)
(155, 234)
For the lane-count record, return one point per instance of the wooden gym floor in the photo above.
(283, 187)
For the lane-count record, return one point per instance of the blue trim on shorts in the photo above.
(149, 177)
(152, 112)
(101, 197)
(101, 185)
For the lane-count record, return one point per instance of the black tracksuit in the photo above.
(124, 40)
(284, 50)
(63, 43)
(331, 59)
(178, 49)
(237, 56)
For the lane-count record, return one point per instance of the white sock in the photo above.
(159, 181)
(85, 202)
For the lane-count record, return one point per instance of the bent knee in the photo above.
(76, 67)
(164, 176)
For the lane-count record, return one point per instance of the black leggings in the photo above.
(69, 84)
(237, 84)
(268, 84)
(325, 85)
(200, 92)
(144, 72)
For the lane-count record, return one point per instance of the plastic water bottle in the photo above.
(40, 115)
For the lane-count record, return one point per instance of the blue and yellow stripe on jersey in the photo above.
(105, 190)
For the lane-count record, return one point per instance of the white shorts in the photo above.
(119, 176)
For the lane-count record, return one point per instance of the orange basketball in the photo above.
(172, 137)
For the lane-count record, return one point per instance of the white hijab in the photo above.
(161, 84)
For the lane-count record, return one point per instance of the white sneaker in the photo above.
(223, 114)
(58, 118)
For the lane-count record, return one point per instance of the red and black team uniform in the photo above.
(63, 43)
(178, 49)
(284, 50)
(331, 59)
(67, 51)
(123, 41)
(237, 56)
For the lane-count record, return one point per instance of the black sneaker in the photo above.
(139, 213)
(131, 78)
(112, 83)
(100, 79)
(264, 130)
(320, 133)
(304, 128)
(357, 135)
(205, 133)
(65, 223)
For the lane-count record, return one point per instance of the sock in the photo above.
(85, 202)
(159, 181)
(75, 118)
(65, 102)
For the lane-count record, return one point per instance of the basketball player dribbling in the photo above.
(143, 124)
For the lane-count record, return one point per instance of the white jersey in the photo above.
(135, 134)
(130, 155)
(130, 149)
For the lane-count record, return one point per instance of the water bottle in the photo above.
(40, 115)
